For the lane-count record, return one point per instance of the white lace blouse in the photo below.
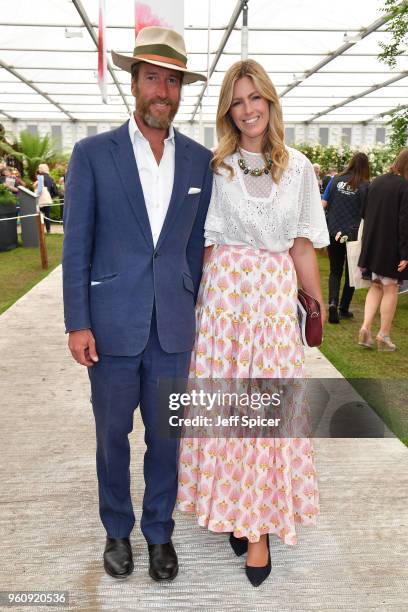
(255, 211)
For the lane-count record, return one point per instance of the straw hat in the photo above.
(161, 47)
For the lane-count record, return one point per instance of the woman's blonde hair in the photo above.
(44, 169)
(229, 135)
(400, 165)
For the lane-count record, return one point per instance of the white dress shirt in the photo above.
(156, 179)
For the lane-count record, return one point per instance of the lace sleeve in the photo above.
(214, 223)
(311, 222)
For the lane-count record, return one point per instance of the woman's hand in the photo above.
(207, 253)
(307, 270)
(402, 265)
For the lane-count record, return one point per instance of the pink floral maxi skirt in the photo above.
(247, 328)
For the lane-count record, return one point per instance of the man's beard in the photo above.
(158, 122)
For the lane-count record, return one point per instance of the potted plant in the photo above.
(8, 229)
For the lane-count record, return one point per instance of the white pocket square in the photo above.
(95, 283)
(194, 190)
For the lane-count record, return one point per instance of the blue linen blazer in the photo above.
(112, 273)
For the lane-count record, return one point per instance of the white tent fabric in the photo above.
(289, 38)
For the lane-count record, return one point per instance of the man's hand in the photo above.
(81, 343)
(402, 265)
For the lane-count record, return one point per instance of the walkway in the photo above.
(52, 539)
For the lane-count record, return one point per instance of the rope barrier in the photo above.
(20, 217)
(52, 220)
(33, 215)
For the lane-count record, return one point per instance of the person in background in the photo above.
(18, 182)
(7, 179)
(384, 250)
(17, 178)
(343, 200)
(61, 183)
(317, 169)
(47, 192)
(331, 173)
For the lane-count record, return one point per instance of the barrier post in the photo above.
(41, 239)
(28, 208)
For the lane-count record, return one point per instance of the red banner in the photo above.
(102, 58)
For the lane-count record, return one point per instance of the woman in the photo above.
(7, 178)
(317, 171)
(48, 192)
(384, 250)
(265, 215)
(343, 199)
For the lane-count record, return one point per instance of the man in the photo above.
(328, 177)
(136, 199)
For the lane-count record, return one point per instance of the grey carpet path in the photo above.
(51, 537)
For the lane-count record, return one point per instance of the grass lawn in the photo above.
(20, 269)
(388, 391)
(340, 341)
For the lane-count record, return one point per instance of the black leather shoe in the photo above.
(333, 314)
(238, 545)
(163, 562)
(118, 558)
(345, 314)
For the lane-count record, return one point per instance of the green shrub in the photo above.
(6, 196)
(380, 157)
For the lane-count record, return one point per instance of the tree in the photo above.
(397, 26)
(32, 150)
(399, 125)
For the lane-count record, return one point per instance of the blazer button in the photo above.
(155, 254)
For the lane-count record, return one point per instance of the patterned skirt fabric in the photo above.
(247, 328)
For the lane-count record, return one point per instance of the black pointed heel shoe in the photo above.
(256, 575)
(238, 545)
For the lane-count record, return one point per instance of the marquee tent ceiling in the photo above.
(305, 46)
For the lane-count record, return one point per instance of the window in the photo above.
(346, 136)
(380, 135)
(324, 136)
(91, 130)
(289, 135)
(56, 135)
(208, 137)
(32, 129)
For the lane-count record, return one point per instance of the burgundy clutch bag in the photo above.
(310, 320)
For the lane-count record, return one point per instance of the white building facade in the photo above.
(66, 134)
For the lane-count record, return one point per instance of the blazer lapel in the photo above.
(181, 183)
(124, 159)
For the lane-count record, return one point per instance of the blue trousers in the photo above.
(119, 385)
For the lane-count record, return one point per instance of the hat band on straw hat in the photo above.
(161, 53)
(160, 58)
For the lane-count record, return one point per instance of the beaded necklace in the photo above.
(254, 171)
